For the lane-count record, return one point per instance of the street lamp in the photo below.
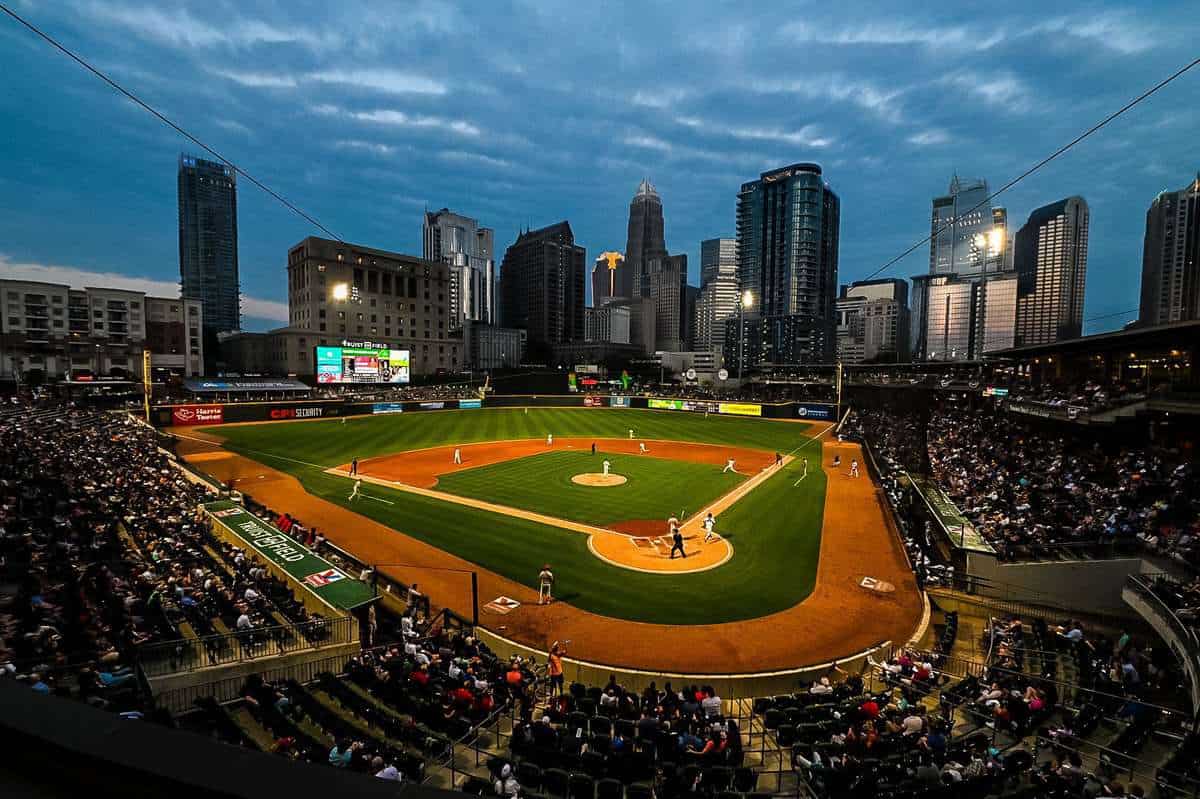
(747, 301)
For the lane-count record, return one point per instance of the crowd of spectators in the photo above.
(1030, 492)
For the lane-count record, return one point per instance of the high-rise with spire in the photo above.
(653, 273)
(646, 240)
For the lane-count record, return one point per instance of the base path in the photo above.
(839, 617)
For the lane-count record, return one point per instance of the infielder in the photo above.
(854, 468)
(549, 439)
(642, 447)
(729, 467)
(545, 585)
(457, 456)
(354, 493)
(631, 434)
(803, 473)
(709, 524)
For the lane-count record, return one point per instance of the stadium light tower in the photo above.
(746, 301)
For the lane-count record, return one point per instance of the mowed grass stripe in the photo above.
(775, 530)
(336, 441)
(656, 488)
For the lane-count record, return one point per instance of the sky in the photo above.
(522, 114)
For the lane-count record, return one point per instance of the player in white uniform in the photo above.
(607, 466)
(457, 456)
(729, 467)
(642, 447)
(709, 524)
(854, 468)
(354, 494)
(549, 439)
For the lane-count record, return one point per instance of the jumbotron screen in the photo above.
(361, 365)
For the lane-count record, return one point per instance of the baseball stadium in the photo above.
(466, 586)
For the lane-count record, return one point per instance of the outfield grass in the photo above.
(656, 488)
(775, 530)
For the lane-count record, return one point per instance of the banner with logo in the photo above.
(813, 410)
(592, 401)
(302, 564)
(314, 412)
(469, 404)
(387, 407)
(665, 404)
(432, 406)
(740, 409)
(618, 402)
(190, 415)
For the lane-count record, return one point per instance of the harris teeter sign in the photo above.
(306, 567)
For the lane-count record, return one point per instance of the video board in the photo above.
(361, 365)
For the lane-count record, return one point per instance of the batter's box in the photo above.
(645, 543)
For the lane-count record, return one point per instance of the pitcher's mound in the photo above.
(597, 479)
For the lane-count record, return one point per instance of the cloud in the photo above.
(649, 143)
(1003, 90)
(384, 80)
(899, 33)
(233, 126)
(462, 156)
(80, 278)
(806, 136)
(927, 138)
(884, 103)
(1122, 33)
(258, 80)
(400, 119)
(374, 148)
(660, 98)
(645, 141)
(180, 28)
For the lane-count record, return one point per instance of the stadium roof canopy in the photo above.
(242, 385)
(1176, 335)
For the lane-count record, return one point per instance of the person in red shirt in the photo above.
(869, 709)
(421, 675)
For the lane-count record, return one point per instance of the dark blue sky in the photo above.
(525, 113)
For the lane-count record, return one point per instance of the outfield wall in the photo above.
(214, 413)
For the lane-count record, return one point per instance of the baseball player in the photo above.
(607, 466)
(854, 468)
(729, 467)
(457, 456)
(709, 524)
(549, 439)
(803, 472)
(676, 539)
(545, 585)
(642, 447)
(354, 467)
(354, 493)
(631, 434)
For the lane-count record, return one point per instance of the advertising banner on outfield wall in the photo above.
(740, 409)
(387, 407)
(619, 402)
(189, 415)
(592, 401)
(432, 406)
(469, 404)
(812, 410)
(310, 412)
(657, 404)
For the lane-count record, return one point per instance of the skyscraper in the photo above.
(646, 240)
(718, 257)
(787, 249)
(609, 273)
(968, 246)
(664, 282)
(872, 321)
(542, 287)
(467, 248)
(1171, 258)
(208, 243)
(1050, 256)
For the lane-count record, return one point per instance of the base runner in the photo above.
(709, 524)
(354, 493)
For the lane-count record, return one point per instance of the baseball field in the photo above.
(773, 531)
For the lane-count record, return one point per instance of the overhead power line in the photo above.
(1043, 162)
(167, 121)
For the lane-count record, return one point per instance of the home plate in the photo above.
(879, 586)
(502, 605)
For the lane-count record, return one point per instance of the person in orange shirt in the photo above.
(556, 668)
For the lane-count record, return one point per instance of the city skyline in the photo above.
(383, 144)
